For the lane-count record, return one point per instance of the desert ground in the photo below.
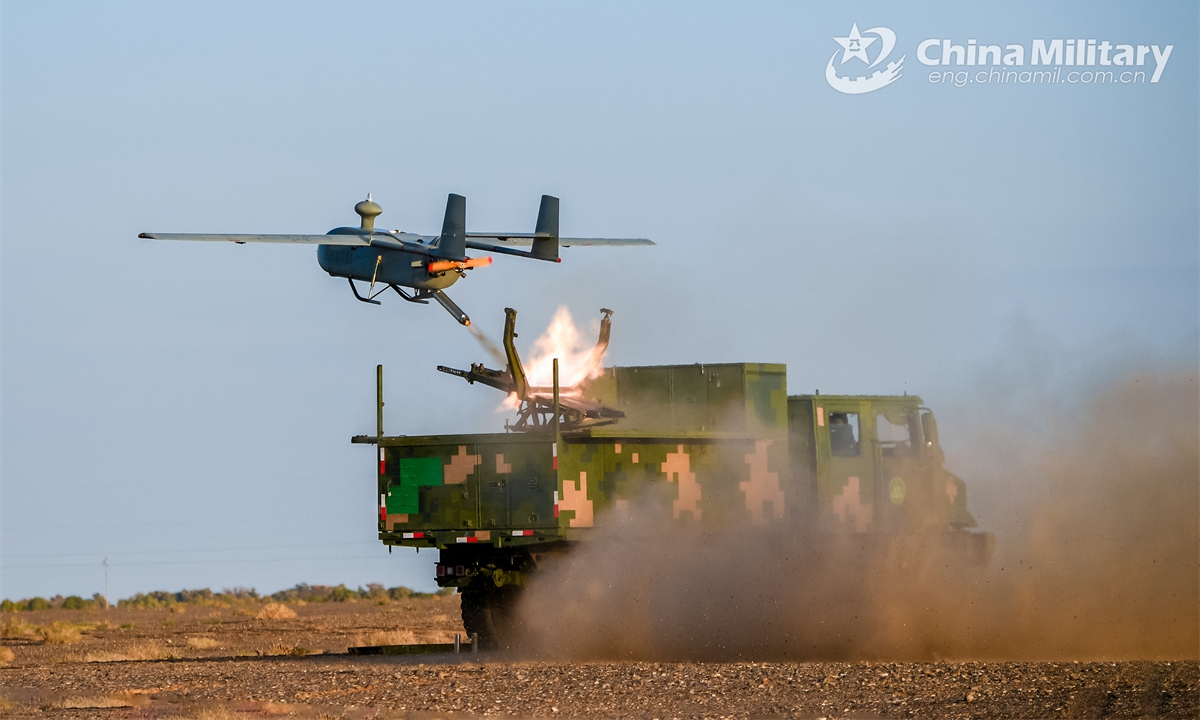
(251, 660)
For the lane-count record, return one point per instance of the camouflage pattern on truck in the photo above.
(722, 446)
(717, 434)
(526, 488)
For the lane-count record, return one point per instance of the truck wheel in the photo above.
(488, 612)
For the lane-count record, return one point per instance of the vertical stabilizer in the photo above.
(545, 242)
(452, 243)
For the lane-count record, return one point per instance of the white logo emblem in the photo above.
(854, 47)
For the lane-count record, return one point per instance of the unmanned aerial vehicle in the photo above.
(418, 267)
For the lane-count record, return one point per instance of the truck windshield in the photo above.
(896, 430)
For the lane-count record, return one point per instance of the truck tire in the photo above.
(487, 612)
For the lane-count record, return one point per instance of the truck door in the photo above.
(847, 484)
(901, 480)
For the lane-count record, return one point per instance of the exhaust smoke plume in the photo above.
(490, 347)
(1097, 524)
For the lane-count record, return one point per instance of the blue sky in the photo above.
(185, 409)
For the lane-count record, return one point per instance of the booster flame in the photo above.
(578, 359)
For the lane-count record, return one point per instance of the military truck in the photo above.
(725, 441)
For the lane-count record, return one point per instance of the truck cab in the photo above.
(872, 464)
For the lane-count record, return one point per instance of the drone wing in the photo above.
(284, 239)
(358, 239)
(526, 239)
(544, 242)
(589, 242)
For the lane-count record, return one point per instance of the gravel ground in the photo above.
(242, 670)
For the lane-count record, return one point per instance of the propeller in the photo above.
(438, 266)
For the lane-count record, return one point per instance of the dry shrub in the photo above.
(270, 708)
(60, 633)
(387, 637)
(14, 628)
(202, 643)
(219, 712)
(275, 611)
(178, 609)
(135, 652)
(7, 656)
(281, 649)
(93, 702)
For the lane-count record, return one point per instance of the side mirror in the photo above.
(929, 430)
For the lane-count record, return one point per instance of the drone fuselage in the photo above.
(383, 265)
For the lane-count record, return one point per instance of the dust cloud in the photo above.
(1096, 512)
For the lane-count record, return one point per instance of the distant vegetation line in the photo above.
(373, 543)
(301, 593)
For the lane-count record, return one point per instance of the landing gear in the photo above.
(489, 612)
(421, 297)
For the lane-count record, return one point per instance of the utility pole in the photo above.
(107, 604)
